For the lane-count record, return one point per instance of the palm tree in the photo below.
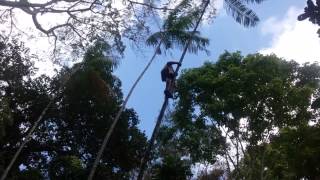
(176, 33)
(242, 15)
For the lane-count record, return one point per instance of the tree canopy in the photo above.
(238, 109)
(247, 116)
(74, 25)
(238, 117)
(65, 143)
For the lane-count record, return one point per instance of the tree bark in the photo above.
(65, 79)
(26, 140)
(145, 159)
(115, 121)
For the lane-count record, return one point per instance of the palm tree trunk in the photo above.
(27, 138)
(165, 103)
(193, 32)
(153, 138)
(115, 121)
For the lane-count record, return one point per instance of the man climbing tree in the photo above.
(168, 75)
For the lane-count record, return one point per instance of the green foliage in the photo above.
(90, 101)
(171, 168)
(263, 89)
(291, 154)
(316, 104)
(243, 100)
(66, 167)
(295, 154)
(21, 99)
(33, 174)
(177, 30)
(242, 14)
(5, 116)
(67, 140)
(193, 139)
(214, 174)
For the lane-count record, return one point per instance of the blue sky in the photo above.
(278, 32)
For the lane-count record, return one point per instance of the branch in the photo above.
(26, 4)
(42, 8)
(241, 145)
(149, 5)
(230, 158)
(37, 24)
(85, 18)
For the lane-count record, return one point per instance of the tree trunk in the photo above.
(64, 80)
(26, 140)
(165, 103)
(115, 121)
(145, 159)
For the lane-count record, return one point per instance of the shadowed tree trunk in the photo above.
(165, 103)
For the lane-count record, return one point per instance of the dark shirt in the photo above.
(168, 71)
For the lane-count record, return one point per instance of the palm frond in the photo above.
(176, 30)
(181, 38)
(198, 43)
(184, 4)
(178, 39)
(241, 13)
(184, 22)
(154, 39)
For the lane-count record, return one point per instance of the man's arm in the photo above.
(173, 62)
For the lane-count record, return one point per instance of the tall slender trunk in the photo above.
(230, 158)
(228, 166)
(26, 140)
(64, 80)
(237, 157)
(165, 103)
(153, 138)
(115, 121)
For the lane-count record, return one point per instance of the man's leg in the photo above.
(168, 90)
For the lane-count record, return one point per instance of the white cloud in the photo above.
(292, 39)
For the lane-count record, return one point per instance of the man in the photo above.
(168, 75)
